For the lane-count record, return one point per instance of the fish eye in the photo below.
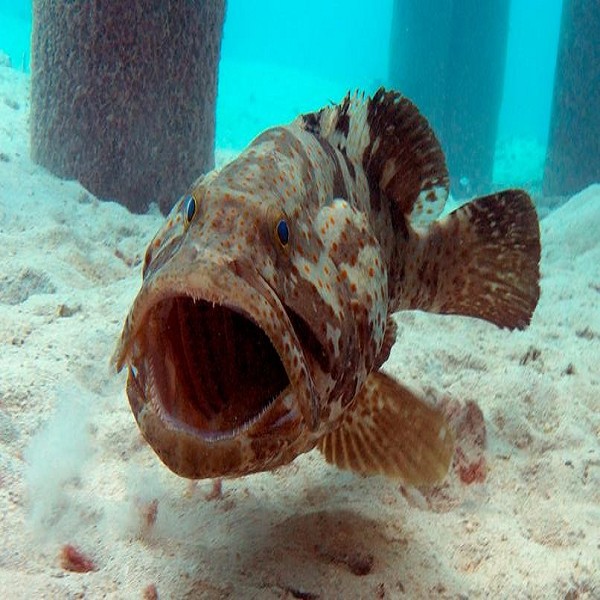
(283, 232)
(190, 209)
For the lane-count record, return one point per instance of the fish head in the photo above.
(229, 345)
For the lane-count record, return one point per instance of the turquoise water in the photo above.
(281, 58)
(15, 32)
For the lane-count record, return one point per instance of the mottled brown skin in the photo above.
(265, 309)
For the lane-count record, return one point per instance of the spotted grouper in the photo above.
(265, 311)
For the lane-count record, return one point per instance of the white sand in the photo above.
(73, 467)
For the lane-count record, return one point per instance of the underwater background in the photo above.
(279, 59)
(86, 508)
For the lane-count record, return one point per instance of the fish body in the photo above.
(265, 312)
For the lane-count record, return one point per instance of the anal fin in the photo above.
(390, 431)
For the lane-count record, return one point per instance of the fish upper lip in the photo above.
(233, 291)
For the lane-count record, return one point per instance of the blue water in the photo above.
(281, 58)
(15, 31)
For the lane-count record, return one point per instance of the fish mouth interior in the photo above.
(212, 369)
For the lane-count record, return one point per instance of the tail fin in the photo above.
(482, 261)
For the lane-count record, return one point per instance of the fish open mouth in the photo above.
(207, 367)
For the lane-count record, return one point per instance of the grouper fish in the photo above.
(265, 311)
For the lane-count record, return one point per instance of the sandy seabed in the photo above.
(74, 469)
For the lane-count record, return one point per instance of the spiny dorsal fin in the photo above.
(397, 148)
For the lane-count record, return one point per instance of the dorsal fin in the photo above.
(397, 148)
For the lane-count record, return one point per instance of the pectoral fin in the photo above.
(392, 432)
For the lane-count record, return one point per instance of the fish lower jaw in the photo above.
(198, 453)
